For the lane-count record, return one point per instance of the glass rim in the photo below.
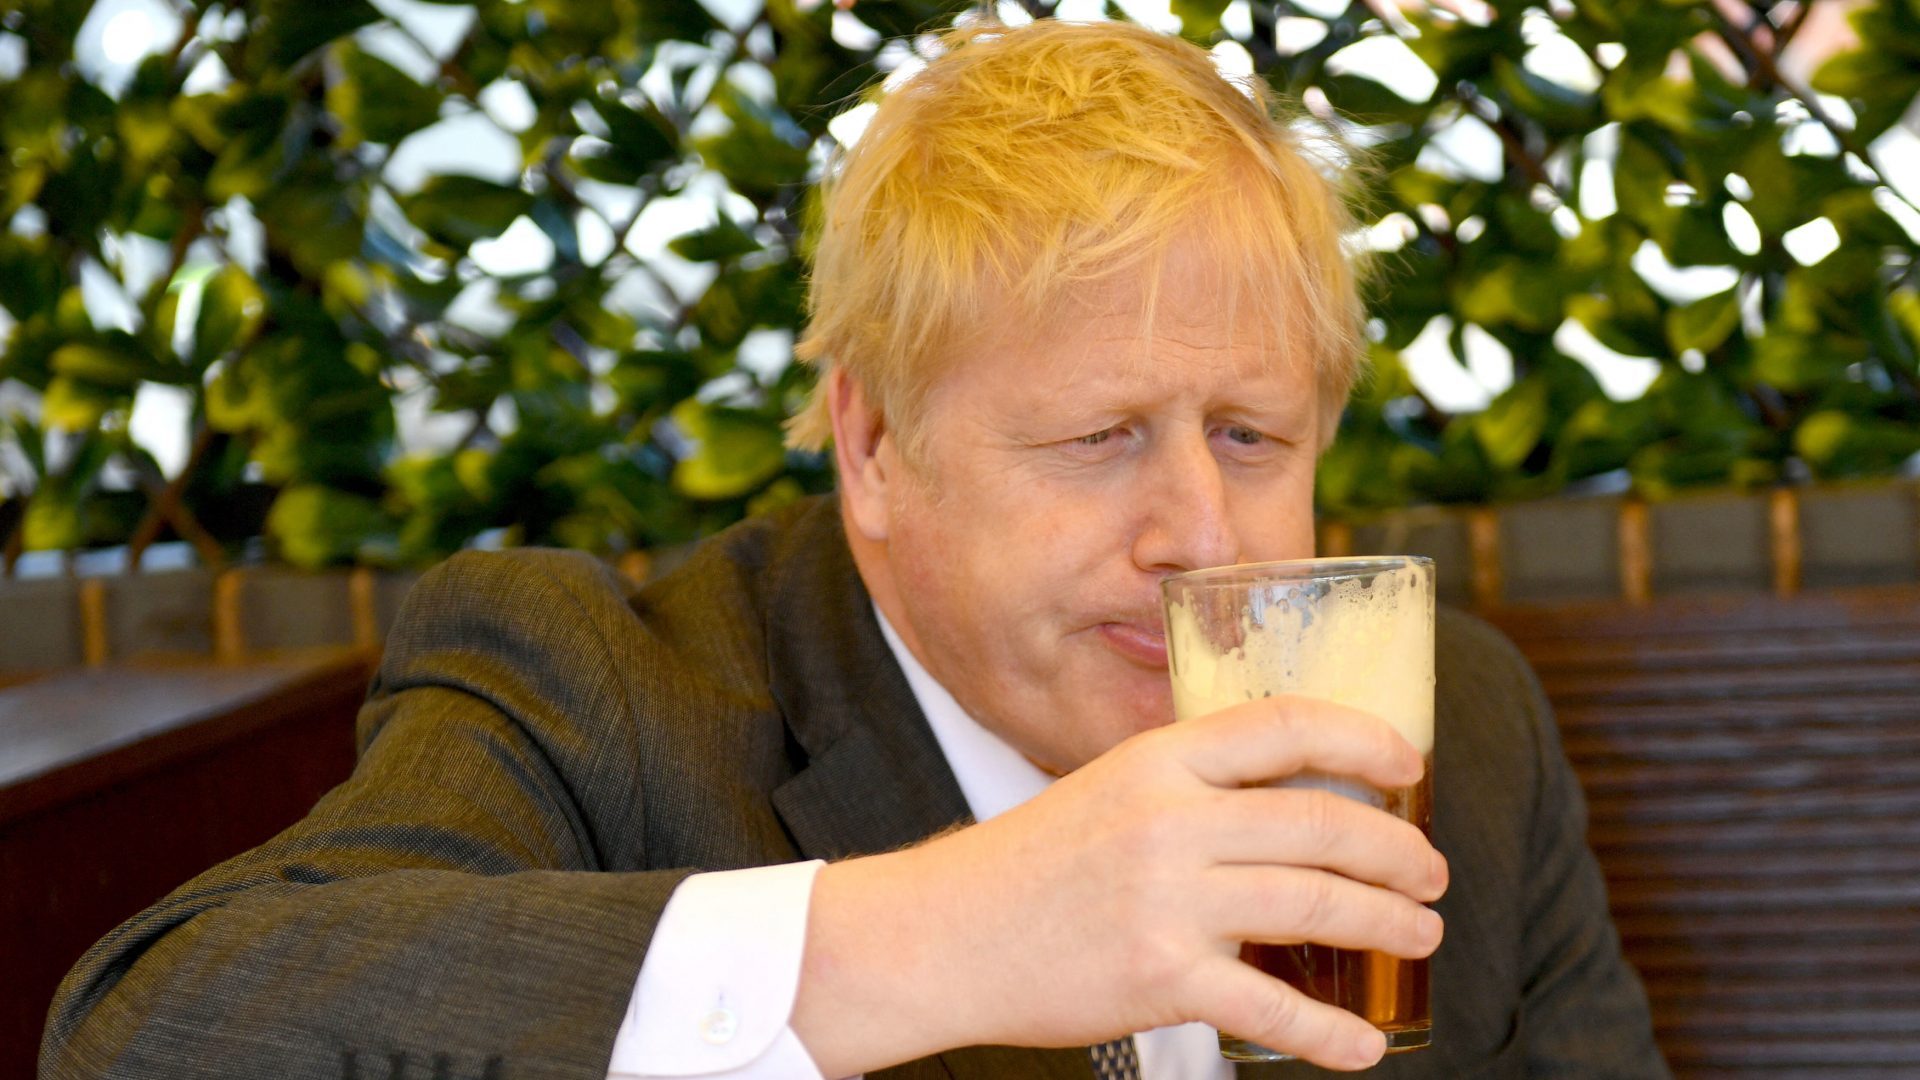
(1321, 568)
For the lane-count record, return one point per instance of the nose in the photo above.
(1186, 524)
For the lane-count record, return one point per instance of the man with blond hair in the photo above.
(885, 784)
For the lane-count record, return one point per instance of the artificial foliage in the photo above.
(236, 192)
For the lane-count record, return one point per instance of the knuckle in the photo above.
(1313, 904)
(1158, 964)
(1408, 920)
(1154, 831)
(1320, 820)
(1277, 1012)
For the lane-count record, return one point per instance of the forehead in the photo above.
(1181, 333)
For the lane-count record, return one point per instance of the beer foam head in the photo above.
(1357, 632)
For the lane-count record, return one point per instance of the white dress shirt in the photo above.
(718, 983)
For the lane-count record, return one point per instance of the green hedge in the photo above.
(298, 291)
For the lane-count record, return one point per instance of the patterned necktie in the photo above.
(1115, 1060)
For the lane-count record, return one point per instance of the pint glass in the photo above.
(1357, 632)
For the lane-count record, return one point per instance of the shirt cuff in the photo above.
(717, 987)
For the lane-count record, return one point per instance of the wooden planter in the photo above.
(1621, 548)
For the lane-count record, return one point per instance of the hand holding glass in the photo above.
(1356, 632)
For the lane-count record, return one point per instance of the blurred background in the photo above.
(298, 298)
(365, 283)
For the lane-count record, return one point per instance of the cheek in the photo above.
(1275, 520)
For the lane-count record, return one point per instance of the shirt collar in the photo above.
(992, 775)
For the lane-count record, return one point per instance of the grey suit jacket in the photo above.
(544, 758)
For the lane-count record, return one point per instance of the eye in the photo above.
(1094, 439)
(1245, 436)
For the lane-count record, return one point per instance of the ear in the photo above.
(864, 453)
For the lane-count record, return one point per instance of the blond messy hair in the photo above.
(1022, 163)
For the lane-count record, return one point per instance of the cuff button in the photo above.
(719, 1026)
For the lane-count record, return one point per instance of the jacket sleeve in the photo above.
(447, 912)
(1584, 1012)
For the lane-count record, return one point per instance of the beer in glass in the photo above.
(1356, 632)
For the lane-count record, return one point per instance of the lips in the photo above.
(1138, 643)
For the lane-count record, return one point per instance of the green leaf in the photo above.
(75, 404)
(1838, 444)
(1640, 181)
(314, 526)
(682, 20)
(736, 451)
(1458, 51)
(1664, 468)
(1601, 436)
(459, 210)
(248, 165)
(1513, 291)
(1695, 236)
(740, 300)
(558, 224)
(1705, 323)
(1512, 425)
(231, 310)
(314, 218)
(1859, 219)
(52, 521)
(722, 240)
(1880, 76)
(1801, 362)
(116, 362)
(1787, 191)
(764, 151)
(642, 139)
(1556, 107)
(1199, 19)
(1646, 95)
(649, 381)
(286, 31)
(377, 102)
(1368, 101)
(1524, 228)
(30, 276)
(1904, 307)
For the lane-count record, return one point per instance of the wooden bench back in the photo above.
(1752, 767)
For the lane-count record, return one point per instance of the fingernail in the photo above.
(1431, 927)
(1437, 871)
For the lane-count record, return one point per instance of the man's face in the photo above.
(1067, 469)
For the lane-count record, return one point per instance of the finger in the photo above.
(1286, 905)
(1304, 827)
(1245, 1002)
(1282, 735)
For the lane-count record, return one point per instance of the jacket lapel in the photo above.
(874, 778)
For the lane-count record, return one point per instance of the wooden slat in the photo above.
(1889, 677)
(1617, 837)
(1678, 992)
(1854, 608)
(1861, 1020)
(1817, 1072)
(1751, 1050)
(1711, 927)
(1752, 766)
(1703, 652)
(1781, 710)
(1870, 736)
(1799, 862)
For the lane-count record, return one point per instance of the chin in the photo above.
(1123, 715)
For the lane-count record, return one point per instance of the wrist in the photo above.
(889, 973)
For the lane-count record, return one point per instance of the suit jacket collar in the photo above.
(874, 778)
